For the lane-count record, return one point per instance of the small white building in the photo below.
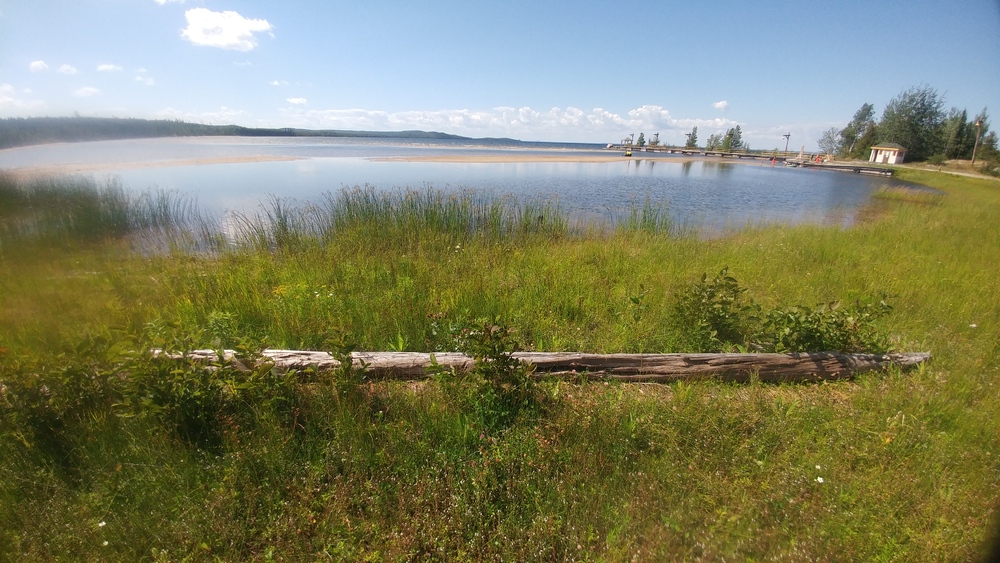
(887, 153)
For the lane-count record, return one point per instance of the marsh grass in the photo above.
(168, 461)
(52, 211)
(909, 194)
(399, 218)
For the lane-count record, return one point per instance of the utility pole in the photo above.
(979, 128)
(787, 136)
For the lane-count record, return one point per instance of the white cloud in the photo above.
(86, 92)
(569, 124)
(278, 83)
(109, 68)
(162, 2)
(38, 66)
(721, 104)
(67, 69)
(9, 102)
(148, 81)
(224, 116)
(225, 30)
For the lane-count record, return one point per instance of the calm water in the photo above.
(708, 195)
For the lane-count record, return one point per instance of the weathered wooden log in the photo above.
(664, 368)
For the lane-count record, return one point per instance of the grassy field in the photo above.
(107, 453)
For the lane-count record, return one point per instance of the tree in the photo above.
(983, 131)
(714, 142)
(863, 146)
(692, 141)
(988, 148)
(861, 124)
(954, 135)
(642, 140)
(733, 141)
(830, 141)
(913, 119)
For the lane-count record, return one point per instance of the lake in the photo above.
(709, 194)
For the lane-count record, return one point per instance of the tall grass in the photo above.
(169, 461)
(80, 209)
(396, 218)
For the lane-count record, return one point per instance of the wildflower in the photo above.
(973, 325)
(102, 524)
(819, 480)
(105, 544)
(818, 467)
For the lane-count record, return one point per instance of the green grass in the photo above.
(179, 463)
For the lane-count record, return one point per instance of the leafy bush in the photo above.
(827, 327)
(506, 386)
(712, 313)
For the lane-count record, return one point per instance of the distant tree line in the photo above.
(18, 131)
(732, 140)
(915, 120)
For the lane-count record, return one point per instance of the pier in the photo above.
(780, 156)
(841, 167)
(794, 159)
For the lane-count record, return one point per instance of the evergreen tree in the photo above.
(955, 135)
(862, 123)
(863, 146)
(971, 132)
(733, 141)
(642, 140)
(692, 141)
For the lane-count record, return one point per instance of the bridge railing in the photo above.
(745, 153)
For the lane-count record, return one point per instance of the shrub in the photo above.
(712, 314)
(827, 327)
(507, 388)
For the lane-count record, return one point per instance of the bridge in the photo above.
(780, 156)
(788, 158)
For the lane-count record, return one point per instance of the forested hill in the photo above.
(16, 132)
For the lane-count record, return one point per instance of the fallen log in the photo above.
(662, 368)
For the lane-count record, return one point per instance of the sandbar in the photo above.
(29, 172)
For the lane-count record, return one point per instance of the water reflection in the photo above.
(700, 194)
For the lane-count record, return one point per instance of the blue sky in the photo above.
(549, 71)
